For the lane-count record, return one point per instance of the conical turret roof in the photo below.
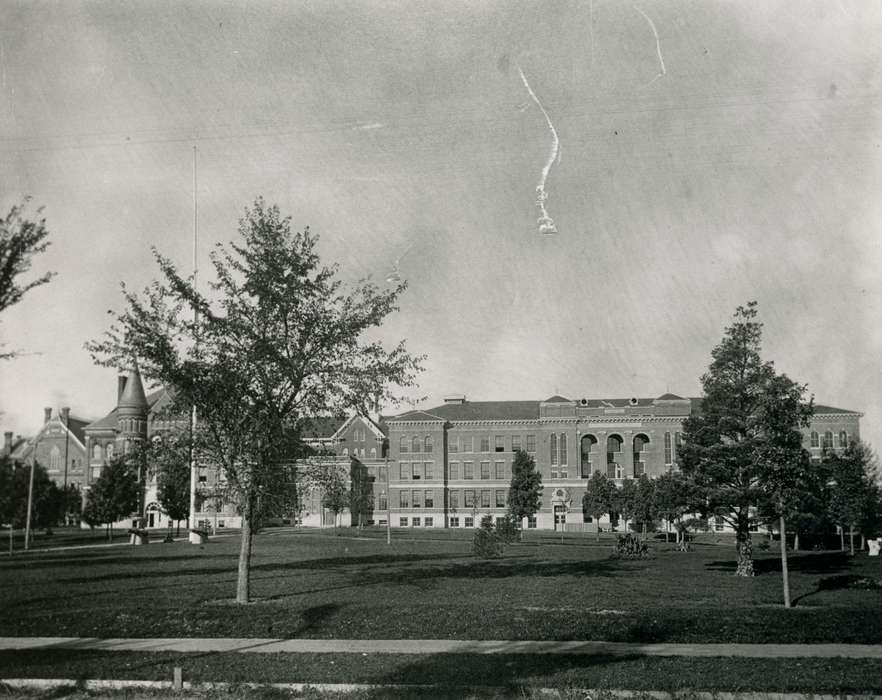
(133, 397)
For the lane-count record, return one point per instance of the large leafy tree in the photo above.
(743, 447)
(525, 488)
(674, 498)
(853, 490)
(599, 498)
(644, 502)
(114, 495)
(276, 340)
(47, 507)
(20, 241)
(169, 458)
(625, 500)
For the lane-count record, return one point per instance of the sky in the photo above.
(710, 153)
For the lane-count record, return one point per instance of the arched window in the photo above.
(428, 443)
(345, 451)
(815, 439)
(562, 449)
(613, 448)
(96, 451)
(108, 451)
(843, 438)
(55, 458)
(373, 452)
(553, 446)
(415, 444)
(828, 439)
(404, 445)
(640, 442)
(588, 443)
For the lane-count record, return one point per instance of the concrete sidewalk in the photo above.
(444, 646)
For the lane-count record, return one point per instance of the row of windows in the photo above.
(466, 443)
(360, 452)
(485, 472)
(416, 498)
(469, 521)
(415, 444)
(107, 452)
(830, 439)
(415, 521)
(416, 470)
(471, 498)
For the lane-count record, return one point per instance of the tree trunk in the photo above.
(851, 539)
(863, 542)
(784, 573)
(745, 555)
(796, 541)
(110, 532)
(243, 581)
(179, 528)
(597, 528)
(842, 538)
(644, 531)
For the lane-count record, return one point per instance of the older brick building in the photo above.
(451, 464)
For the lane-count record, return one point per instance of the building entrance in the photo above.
(560, 517)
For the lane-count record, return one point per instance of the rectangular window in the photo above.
(467, 443)
(429, 499)
(485, 443)
(404, 446)
(562, 447)
(402, 522)
(382, 502)
(404, 470)
(718, 523)
(454, 471)
(531, 443)
(485, 470)
(564, 473)
(404, 498)
(454, 499)
(500, 443)
(453, 443)
(383, 473)
(427, 470)
(531, 522)
(499, 470)
(485, 498)
(417, 468)
(416, 522)
(669, 456)
(515, 443)
(499, 519)
(454, 521)
(469, 521)
(553, 472)
(417, 498)
(678, 442)
(428, 444)
(430, 521)
(500, 498)
(468, 470)
(586, 468)
(469, 498)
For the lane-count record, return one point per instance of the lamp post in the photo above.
(388, 506)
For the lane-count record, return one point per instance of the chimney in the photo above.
(120, 386)
(47, 414)
(65, 415)
(455, 399)
(7, 441)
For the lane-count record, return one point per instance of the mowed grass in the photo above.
(317, 584)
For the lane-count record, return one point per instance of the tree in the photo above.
(114, 495)
(169, 458)
(673, 499)
(743, 446)
(625, 500)
(47, 507)
(20, 240)
(335, 495)
(361, 492)
(644, 502)
(525, 487)
(598, 498)
(853, 489)
(275, 341)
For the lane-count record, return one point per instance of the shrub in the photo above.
(508, 530)
(487, 543)
(630, 547)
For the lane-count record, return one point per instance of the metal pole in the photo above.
(30, 500)
(66, 452)
(388, 506)
(194, 539)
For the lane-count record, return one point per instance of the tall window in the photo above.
(453, 468)
(588, 443)
(404, 471)
(678, 442)
(382, 503)
(613, 449)
(515, 443)
(485, 470)
(828, 439)
(454, 499)
(499, 445)
(468, 443)
(669, 451)
(417, 470)
(382, 473)
(427, 470)
(843, 438)
(499, 470)
(485, 443)
(415, 444)
(531, 444)
(428, 443)
(552, 442)
(500, 498)
(640, 442)
(404, 498)
(373, 453)
(417, 498)
(453, 443)
(468, 470)
(109, 451)
(429, 499)
(404, 445)
(485, 498)
(55, 458)
(562, 449)
(469, 498)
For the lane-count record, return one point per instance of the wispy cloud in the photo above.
(367, 127)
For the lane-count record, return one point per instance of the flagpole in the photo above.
(194, 539)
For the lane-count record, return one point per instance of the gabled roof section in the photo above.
(321, 427)
(820, 409)
(365, 419)
(435, 414)
(670, 397)
(557, 398)
(480, 410)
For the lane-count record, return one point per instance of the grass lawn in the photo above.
(427, 585)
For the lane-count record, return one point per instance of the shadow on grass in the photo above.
(842, 582)
(807, 563)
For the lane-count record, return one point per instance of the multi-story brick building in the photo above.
(452, 464)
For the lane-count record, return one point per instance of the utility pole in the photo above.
(388, 506)
(194, 539)
(30, 499)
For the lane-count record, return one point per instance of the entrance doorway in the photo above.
(560, 517)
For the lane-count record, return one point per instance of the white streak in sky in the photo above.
(661, 61)
(367, 127)
(546, 223)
